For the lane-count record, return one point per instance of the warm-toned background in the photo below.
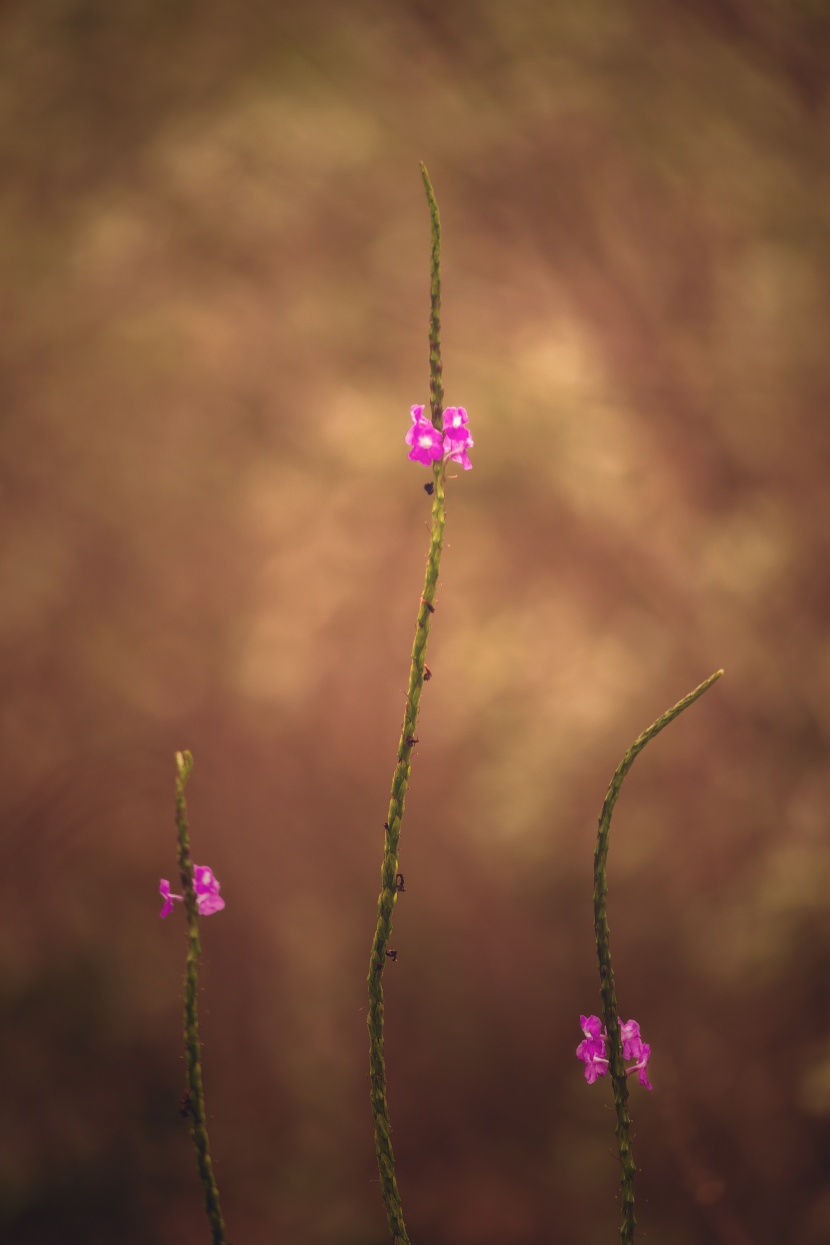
(214, 253)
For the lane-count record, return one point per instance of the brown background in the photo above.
(214, 249)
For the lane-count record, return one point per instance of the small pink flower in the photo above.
(456, 451)
(207, 892)
(592, 1051)
(641, 1067)
(426, 441)
(455, 424)
(595, 1036)
(632, 1043)
(457, 437)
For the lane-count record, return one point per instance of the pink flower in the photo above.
(426, 441)
(632, 1043)
(207, 892)
(458, 453)
(593, 1051)
(428, 444)
(641, 1067)
(457, 437)
(455, 424)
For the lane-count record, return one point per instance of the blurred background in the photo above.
(214, 248)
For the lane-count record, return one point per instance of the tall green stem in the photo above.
(195, 1090)
(606, 973)
(400, 778)
(436, 371)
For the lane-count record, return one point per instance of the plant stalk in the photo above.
(195, 1099)
(400, 778)
(606, 973)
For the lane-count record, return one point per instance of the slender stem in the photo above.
(606, 973)
(436, 381)
(195, 1091)
(400, 778)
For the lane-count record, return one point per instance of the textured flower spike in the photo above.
(207, 893)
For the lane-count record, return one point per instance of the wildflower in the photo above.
(593, 1051)
(595, 1036)
(207, 892)
(429, 444)
(455, 424)
(458, 454)
(426, 441)
(457, 437)
(641, 1067)
(632, 1043)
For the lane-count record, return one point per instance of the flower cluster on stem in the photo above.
(429, 444)
(593, 1049)
(206, 888)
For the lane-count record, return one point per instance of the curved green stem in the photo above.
(606, 973)
(195, 1091)
(400, 778)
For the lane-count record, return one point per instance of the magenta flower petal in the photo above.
(206, 887)
(204, 881)
(427, 448)
(427, 442)
(164, 891)
(208, 904)
(632, 1043)
(596, 1064)
(591, 1026)
(595, 1068)
(456, 451)
(641, 1067)
(455, 424)
(592, 1050)
(457, 436)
